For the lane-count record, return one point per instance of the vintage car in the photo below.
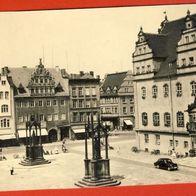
(166, 163)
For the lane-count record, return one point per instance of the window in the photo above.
(170, 143)
(63, 116)
(154, 91)
(124, 100)
(144, 49)
(20, 119)
(6, 95)
(143, 92)
(74, 103)
(62, 102)
(81, 103)
(165, 90)
(55, 117)
(49, 117)
(178, 89)
(180, 119)
(176, 143)
(137, 70)
(116, 110)
(186, 144)
(40, 103)
(93, 91)
(94, 103)
(75, 117)
(87, 91)
(157, 139)
(140, 50)
(74, 92)
(131, 99)
(48, 103)
(156, 120)
(80, 92)
(54, 102)
(31, 103)
(131, 109)
(143, 69)
(183, 62)
(1, 95)
(5, 123)
(146, 138)
(41, 117)
(167, 119)
(124, 110)
(186, 39)
(88, 104)
(81, 116)
(4, 108)
(3, 82)
(148, 68)
(191, 60)
(193, 88)
(144, 119)
(193, 37)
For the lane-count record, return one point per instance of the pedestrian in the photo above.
(12, 171)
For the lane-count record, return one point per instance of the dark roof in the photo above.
(21, 76)
(113, 80)
(164, 44)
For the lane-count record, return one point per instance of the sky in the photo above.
(100, 40)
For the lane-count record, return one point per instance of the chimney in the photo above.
(81, 73)
(5, 71)
(92, 73)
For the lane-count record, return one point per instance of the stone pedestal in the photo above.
(97, 174)
(34, 156)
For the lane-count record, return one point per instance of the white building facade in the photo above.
(164, 85)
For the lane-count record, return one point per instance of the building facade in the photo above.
(117, 100)
(7, 113)
(44, 94)
(164, 82)
(84, 101)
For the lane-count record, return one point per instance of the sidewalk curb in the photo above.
(187, 166)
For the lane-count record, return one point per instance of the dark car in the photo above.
(165, 163)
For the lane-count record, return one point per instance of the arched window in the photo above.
(144, 119)
(143, 92)
(193, 88)
(167, 119)
(156, 119)
(154, 91)
(178, 89)
(165, 90)
(180, 119)
(5, 123)
(4, 108)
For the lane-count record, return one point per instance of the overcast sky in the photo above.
(101, 40)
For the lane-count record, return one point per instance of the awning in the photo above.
(78, 130)
(22, 133)
(128, 122)
(7, 137)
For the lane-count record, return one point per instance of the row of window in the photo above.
(166, 90)
(5, 123)
(41, 103)
(49, 117)
(143, 69)
(4, 95)
(82, 103)
(42, 90)
(80, 91)
(189, 38)
(82, 117)
(189, 62)
(158, 141)
(109, 100)
(167, 119)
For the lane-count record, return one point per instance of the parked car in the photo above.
(165, 163)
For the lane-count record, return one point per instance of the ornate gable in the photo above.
(42, 83)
